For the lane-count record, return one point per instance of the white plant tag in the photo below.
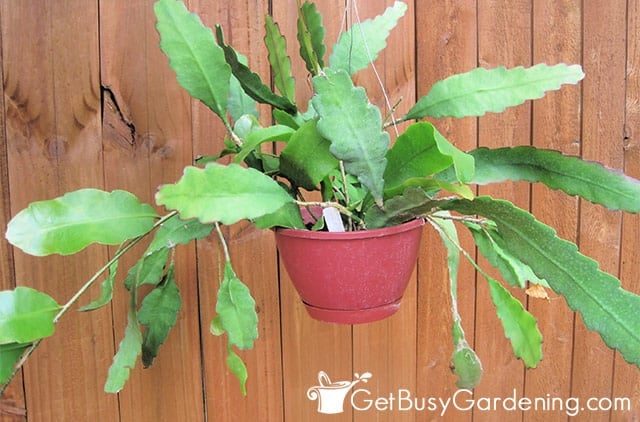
(333, 219)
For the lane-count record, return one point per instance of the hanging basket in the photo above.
(351, 277)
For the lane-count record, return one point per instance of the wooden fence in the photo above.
(88, 100)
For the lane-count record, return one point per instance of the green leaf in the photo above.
(520, 327)
(286, 216)
(306, 159)
(280, 62)
(10, 354)
(128, 351)
(492, 90)
(239, 103)
(159, 313)
(354, 128)
(176, 231)
(70, 223)
(412, 203)
(250, 81)
(260, 136)
(589, 180)
(311, 37)
(361, 44)
(216, 326)
(492, 247)
(106, 291)
(193, 54)
(26, 315)
(237, 310)
(465, 363)
(238, 368)
(422, 151)
(148, 270)
(598, 296)
(226, 194)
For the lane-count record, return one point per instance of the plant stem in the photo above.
(223, 242)
(343, 173)
(460, 248)
(464, 218)
(339, 207)
(63, 310)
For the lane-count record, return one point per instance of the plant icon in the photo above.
(331, 395)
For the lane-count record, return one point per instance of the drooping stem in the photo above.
(63, 310)
(223, 242)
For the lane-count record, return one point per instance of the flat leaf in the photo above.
(239, 369)
(216, 326)
(465, 363)
(260, 136)
(176, 231)
(492, 247)
(491, 90)
(226, 194)
(10, 354)
(128, 351)
(26, 315)
(68, 224)
(306, 159)
(589, 180)
(286, 216)
(148, 270)
(159, 313)
(354, 128)
(422, 151)
(236, 310)
(240, 104)
(279, 60)
(520, 327)
(412, 203)
(106, 291)
(311, 37)
(250, 81)
(361, 44)
(194, 55)
(605, 307)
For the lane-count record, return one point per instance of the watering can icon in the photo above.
(331, 395)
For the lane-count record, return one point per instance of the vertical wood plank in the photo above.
(12, 405)
(309, 346)
(557, 29)
(504, 31)
(387, 348)
(599, 229)
(50, 66)
(147, 142)
(252, 251)
(626, 380)
(443, 49)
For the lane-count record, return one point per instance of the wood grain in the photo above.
(52, 105)
(444, 49)
(147, 141)
(626, 378)
(599, 230)
(88, 99)
(12, 405)
(557, 29)
(504, 38)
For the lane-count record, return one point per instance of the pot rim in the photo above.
(360, 234)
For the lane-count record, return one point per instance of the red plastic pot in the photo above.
(351, 277)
